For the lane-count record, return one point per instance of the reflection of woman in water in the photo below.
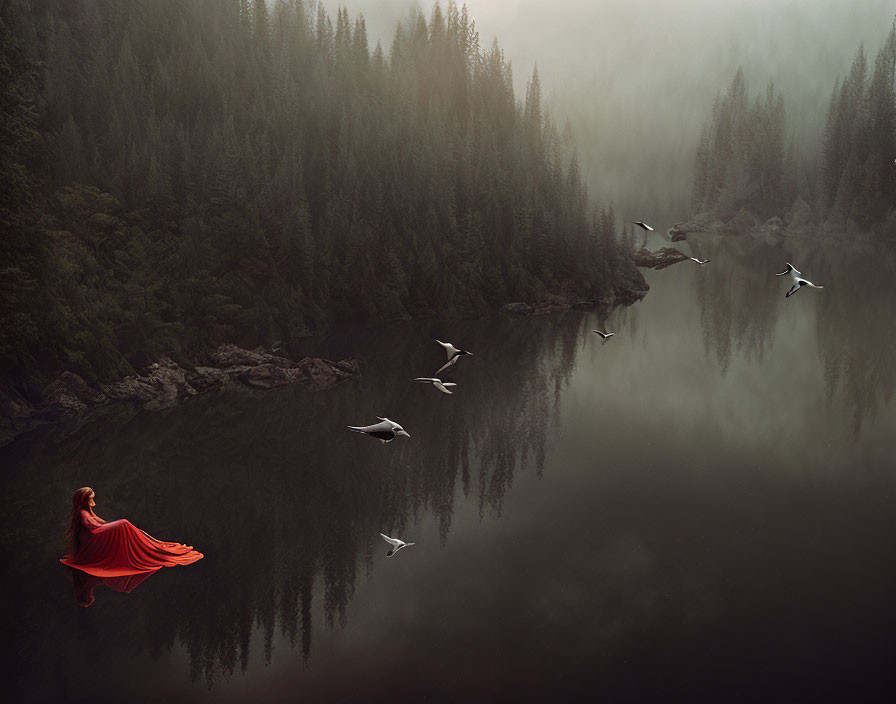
(86, 583)
(117, 548)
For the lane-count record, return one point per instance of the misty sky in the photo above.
(637, 78)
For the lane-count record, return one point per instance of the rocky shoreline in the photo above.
(629, 291)
(660, 259)
(798, 220)
(742, 222)
(166, 383)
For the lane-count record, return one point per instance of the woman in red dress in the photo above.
(117, 548)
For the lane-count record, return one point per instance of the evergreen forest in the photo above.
(748, 160)
(181, 173)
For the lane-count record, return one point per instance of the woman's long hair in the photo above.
(80, 501)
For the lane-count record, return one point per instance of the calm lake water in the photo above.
(702, 508)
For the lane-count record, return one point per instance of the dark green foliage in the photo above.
(236, 170)
(23, 244)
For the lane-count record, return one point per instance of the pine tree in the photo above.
(242, 168)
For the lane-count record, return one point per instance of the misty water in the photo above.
(700, 508)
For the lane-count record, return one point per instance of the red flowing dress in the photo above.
(119, 548)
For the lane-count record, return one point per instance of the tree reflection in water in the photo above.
(856, 331)
(284, 502)
(741, 304)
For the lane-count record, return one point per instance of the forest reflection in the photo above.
(285, 503)
(856, 332)
(741, 302)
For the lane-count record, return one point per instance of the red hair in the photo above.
(80, 502)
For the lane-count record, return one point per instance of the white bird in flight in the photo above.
(453, 355)
(384, 431)
(644, 225)
(604, 335)
(701, 262)
(798, 280)
(438, 383)
(396, 544)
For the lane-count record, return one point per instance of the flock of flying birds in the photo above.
(387, 430)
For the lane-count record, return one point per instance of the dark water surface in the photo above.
(702, 508)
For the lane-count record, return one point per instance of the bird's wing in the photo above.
(449, 348)
(787, 270)
(793, 290)
(382, 426)
(391, 552)
(599, 333)
(429, 379)
(448, 383)
(447, 364)
(441, 387)
(392, 541)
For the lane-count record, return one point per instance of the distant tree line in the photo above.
(181, 173)
(746, 161)
(741, 157)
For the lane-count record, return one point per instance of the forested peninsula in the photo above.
(182, 174)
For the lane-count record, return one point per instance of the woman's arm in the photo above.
(90, 521)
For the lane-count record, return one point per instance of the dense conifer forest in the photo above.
(181, 173)
(747, 158)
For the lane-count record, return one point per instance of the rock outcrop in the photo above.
(630, 288)
(233, 356)
(702, 222)
(660, 259)
(773, 225)
(166, 383)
